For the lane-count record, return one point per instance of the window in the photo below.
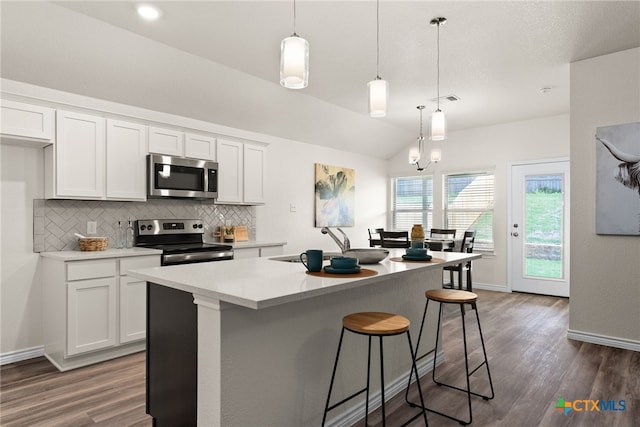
(469, 206)
(412, 202)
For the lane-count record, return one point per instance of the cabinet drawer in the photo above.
(132, 263)
(81, 270)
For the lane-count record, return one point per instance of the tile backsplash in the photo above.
(55, 221)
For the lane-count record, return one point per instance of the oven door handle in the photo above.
(195, 256)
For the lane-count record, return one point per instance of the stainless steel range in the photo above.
(181, 241)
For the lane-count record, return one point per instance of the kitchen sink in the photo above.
(296, 258)
(366, 256)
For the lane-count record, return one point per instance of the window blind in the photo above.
(469, 206)
(412, 202)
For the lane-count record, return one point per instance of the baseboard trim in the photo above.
(19, 355)
(603, 340)
(488, 287)
(352, 415)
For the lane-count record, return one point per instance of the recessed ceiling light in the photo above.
(148, 12)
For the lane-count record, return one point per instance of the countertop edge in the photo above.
(109, 253)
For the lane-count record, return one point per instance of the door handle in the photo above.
(515, 234)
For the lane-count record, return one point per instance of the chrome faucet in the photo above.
(344, 246)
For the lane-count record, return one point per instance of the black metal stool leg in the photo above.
(435, 352)
(415, 356)
(466, 362)
(333, 376)
(366, 404)
(484, 352)
(384, 415)
(414, 369)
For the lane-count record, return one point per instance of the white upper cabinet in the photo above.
(166, 141)
(126, 155)
(79, 156)
(230, 168)
(96, 158)
(241, 169)
(254, 173)
(199, 146)
(181, 144)
(27, 124)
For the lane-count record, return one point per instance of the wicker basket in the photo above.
(93, 243)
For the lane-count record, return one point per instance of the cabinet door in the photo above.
(133, 309)
(166, 141)
(80, 155)
(199, 146)
(27, 121)
(230, 155)
(133, 298)
(254, 172)
(91, 311)
(126, 154)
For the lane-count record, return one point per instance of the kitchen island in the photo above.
(251, 342)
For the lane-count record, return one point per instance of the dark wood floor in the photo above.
(531, 360)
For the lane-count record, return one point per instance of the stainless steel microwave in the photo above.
(170, 176)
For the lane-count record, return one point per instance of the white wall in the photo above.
(20, 293)
(491, 148)
(290, 180)
(605, 270)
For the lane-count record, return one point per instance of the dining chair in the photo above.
(442, 233)
(395, 239)
(466, 246)
(373, 242)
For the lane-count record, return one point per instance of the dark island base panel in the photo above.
(172, 357)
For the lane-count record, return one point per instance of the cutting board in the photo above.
(241, 233)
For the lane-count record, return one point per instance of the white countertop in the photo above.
(108, 253)
(254, 244)
(263, 282)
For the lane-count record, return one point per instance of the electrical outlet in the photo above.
(292, 207)
(92, 227)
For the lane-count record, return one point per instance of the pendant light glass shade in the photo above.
(414, 155)
(438, 126)
(294, 62)
(436, 155)
(378, 94)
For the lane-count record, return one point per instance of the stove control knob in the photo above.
(195, 225)
(143, 227)
(199, 225)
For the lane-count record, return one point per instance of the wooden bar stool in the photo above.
(451, 296)
(375, 324)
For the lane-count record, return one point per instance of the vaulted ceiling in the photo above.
(495, 56)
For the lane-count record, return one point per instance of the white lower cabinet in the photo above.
(92, 310)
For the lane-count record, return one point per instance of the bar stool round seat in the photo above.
(459, 298)
(451, 296)
(375, 324)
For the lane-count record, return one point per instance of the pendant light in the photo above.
(294, 59)
(438, 120)
(415, 153)
(378, 88)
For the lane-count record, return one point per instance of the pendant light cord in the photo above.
(378, 39)
(438, 62)
(294, 18)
